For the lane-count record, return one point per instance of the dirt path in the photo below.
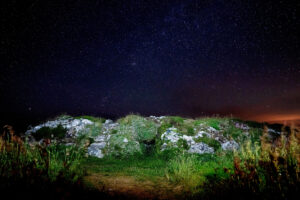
(132, 188)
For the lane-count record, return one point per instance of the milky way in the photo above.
(189, 58)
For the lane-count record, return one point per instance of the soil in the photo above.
(132, 188)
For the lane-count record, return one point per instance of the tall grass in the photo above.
(37, 168)
(191, 171)
(269, 170)
(183, 170)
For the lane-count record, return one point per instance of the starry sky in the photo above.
(168, 57)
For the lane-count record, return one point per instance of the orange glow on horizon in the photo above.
(276, 117)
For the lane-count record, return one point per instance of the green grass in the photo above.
(140, 167)
(264, 171)
(237, 134)
(51, 162)
(214, 122)
(193, 173)
(210, 142)
(163, 128)
(187, 170)
(91, 118)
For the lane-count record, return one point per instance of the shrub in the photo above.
(118, 148)
(138, 128)
(47, 132)
(146, 130)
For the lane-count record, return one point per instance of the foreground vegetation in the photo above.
(263, 168)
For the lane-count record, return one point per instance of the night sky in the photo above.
(111, 58)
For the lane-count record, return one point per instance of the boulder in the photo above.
(230, 145)
(95, 149)
(200, 148)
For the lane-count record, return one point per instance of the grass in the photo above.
(52, 160)
(214, 122)
(257, 170)
(36, 171)
(91, 118)
(210, 142)
(184, 126)
(188, 171)
(261, 168)
(265, 171)
(140, 167)
(237, 134)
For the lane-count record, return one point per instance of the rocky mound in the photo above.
(134, 134)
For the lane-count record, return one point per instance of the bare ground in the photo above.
(132, 188)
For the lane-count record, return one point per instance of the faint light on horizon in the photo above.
(277, 117)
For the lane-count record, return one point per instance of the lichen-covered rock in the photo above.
(108, 126)
(73, 126)
(171, 135)
(202, 134)
(200, 148)
(102, 138)
(230, 145)
(172, 139)
(242, 126)
(96, 149)
(189, 140)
